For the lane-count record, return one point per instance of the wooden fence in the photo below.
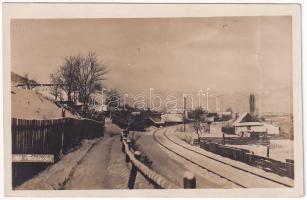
(158, 181)
(243, 155)
(52, 136)
(55, 137)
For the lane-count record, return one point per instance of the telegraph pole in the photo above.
(184, 110)
(208, 99)
(217, 104)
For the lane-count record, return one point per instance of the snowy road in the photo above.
(97, 164)
(104, 167)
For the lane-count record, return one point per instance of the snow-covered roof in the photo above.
(226, 113)
(249, 124)
(174, 111)
(136, 113)
(171, 117)
(240, 118)
(155, 121)
(240, 121)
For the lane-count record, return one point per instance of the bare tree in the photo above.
(197, 115)
(90, 72)
(65, 77)
(56, 84)
(79, 74)
(68, 73)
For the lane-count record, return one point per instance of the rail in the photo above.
(243, 170)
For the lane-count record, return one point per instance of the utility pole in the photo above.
(184, 110)
(208, 99)
(217, 104)
(220, 104)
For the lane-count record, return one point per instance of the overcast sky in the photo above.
(226, 54)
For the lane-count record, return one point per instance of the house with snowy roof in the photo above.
(246, 125)
(172, 118)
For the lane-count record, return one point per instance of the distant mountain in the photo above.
(271, 100)
(278, 101)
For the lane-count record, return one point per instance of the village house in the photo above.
(212, 117)
(225, 116)
(246, 125)
(172, 117)
(154, 121)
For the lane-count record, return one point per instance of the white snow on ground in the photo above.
(27, 104)
(44, 93)
(215, 131)
(54, 176)
(279, 149)
(224, 169)
(150, 129)
(97, 164)
(105, 167)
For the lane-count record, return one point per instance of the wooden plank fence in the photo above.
(243, 155)
(55, 137)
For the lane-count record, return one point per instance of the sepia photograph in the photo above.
(179, 102)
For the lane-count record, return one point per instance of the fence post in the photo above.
(133, 172)
(129, 146)
(268, 151)
(127, 158)
(189, 180)
(129, 142)
(62, 144)
(290, 168)
(123, 146)
(248, 157)
(125, 133)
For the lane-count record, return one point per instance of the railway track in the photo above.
(278, 182)
(190, 156)
(165, 146)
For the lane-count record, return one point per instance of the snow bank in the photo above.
(27, 104)
(54, 177)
